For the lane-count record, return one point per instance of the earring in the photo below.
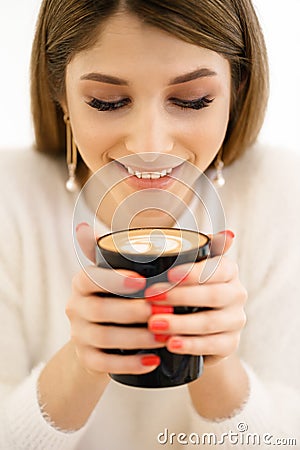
(219, 179)
(71, 184)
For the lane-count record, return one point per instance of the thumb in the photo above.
(86, 240)
(221, 242)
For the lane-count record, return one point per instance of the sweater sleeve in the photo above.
(269, 417)
(22, 425)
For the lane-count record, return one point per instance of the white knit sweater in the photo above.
(261, 200)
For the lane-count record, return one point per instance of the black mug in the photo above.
(151, 252)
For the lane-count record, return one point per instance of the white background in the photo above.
(280, 22)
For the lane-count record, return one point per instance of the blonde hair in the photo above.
(228, 27)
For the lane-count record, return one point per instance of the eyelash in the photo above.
(103, 106)
(196, 104)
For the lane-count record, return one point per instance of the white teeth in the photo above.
(149, 175)
(156, 176)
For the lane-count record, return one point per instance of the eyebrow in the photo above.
(199, 73)
(102, 78)
(109, 79)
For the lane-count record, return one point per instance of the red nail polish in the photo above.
(176, 276)
(162, 338)
(80, 225)
(159, 325)
(228, 233)
(162, 309)
(157, 297)
(176, 344)
(151, 360)
(135, 282)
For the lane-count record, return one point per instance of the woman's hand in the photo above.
(92, 318)
(214, 285)
(214, 332)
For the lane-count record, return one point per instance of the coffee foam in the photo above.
(152, 241)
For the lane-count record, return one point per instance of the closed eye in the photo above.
(102, 105)
(196, 104)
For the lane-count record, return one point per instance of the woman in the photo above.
(184, 79)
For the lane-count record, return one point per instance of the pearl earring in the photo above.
(71, 184)
(219, 179)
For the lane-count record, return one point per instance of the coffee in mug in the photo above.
(151, 252)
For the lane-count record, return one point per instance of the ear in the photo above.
(63, 104)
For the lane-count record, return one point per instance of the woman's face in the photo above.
(143, 93)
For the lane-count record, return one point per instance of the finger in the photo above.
(114, 337)
(107, 310)
(93, 280)
(203, 323)
(213, 270)
(86, 240)
(220, 345)
(221, 242)
(217, 295)
(97, 361)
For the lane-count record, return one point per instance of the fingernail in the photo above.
(152, 297)
(80, 225)
(176, 275)
(162, 338)
(135, 282)
(228, 233)
(159, 325)
(164, 309)
(176, 344)
(150, 360)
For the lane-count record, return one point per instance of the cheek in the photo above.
(93, 140)
(207, 135)
(93, 137)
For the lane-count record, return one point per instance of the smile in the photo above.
(149, 175)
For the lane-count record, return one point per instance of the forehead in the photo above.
(126, 43)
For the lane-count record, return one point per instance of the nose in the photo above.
(149, 133)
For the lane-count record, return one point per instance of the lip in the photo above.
(146, 183)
